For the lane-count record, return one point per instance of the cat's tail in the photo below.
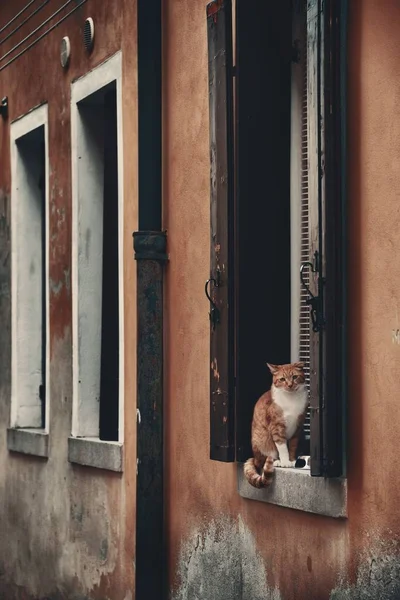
(254, 477)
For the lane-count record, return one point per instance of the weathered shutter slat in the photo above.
(327, 233)
(300, 193)
(220, 286)
(316, 198)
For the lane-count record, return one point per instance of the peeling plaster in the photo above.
(378, 576)
(221, 562)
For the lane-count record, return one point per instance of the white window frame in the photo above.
(24, 125)
(108, 72)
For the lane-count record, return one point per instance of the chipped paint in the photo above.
(214, 368)
(396, 336)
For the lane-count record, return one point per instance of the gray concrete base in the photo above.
(295, 488)
(28, 441)
(92, 452)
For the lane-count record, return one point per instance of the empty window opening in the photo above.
(272, 319)
(29, 281)
(97, 384)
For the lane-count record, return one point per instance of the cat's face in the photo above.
(288, 377)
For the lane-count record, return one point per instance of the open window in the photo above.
(29, 242)
(277, 276)
(97, 262)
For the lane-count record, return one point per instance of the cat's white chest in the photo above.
(292, 404)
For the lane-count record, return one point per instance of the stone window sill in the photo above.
(28, 441)
(92, 452)
(295, 488)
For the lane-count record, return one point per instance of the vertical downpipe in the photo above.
(150, 252)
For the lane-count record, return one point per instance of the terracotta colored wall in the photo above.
(66, 531)
(222, 546)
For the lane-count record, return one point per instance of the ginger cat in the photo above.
(277, 419)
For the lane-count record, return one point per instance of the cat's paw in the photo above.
(285, 464)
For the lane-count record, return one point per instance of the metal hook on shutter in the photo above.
(312, 301)
(214, 313)
(304, 284)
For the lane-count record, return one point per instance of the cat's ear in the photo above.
(299, 365)
(273, 368)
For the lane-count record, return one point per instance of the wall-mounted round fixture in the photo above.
(65, 52)
(88, 34)
(4, 107)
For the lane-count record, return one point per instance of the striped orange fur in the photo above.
(277, 421)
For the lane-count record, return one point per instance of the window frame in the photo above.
(331, 409)
(28, 439)
(87, 449)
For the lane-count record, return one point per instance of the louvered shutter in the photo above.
(314, 274)
(325, 276)
(219, 288)
(301, 333)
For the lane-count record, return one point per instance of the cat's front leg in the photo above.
(293, 443)
(283, 452)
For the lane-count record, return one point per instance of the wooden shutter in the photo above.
(335, 358)
(326, 205)
(299, 148)
(220, 285)
(316, 198)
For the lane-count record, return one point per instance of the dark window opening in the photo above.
(98, 116)
(288, 165)
(262, 266)
(31, 151)
(109, 384)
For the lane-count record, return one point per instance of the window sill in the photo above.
(28, 441)
(295, 488)
(92, 452)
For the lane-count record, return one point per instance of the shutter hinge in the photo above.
(314, 302)
(214, 314)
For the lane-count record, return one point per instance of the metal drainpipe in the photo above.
(150, 252)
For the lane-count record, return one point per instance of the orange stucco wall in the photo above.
(303, 556)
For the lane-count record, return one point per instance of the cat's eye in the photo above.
(295, 377)
(282, 379)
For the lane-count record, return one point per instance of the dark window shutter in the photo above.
(335, 392)
(326, 128)
(316, 198)
(220, 285)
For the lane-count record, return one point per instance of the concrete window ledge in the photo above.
(92, 452)
(28, 441)
(295, 488)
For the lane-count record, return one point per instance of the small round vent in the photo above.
(88, 34)
(65, 52)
